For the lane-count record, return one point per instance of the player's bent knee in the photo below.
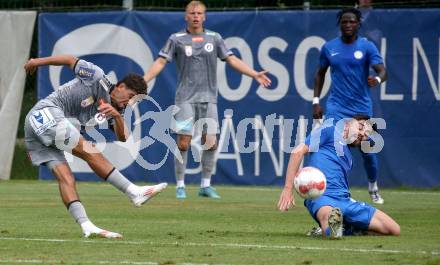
(183, 146)
(209, 142)
(212, 147)
(322, 215)
(384, 224)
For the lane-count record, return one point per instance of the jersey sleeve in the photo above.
(168, 49)
(87, 72)
(223, 51)
(373, 54)
(323, 57)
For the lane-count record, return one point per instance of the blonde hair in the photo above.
(195, 3)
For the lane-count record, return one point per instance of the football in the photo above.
(310, 183)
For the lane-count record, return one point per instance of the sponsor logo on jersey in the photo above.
(41, 120)
(86, 73)
(87, 102)
(358, 55)
(105, 83)
(198, 39)
(209, 47)
(188, 50)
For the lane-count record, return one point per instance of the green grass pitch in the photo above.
(243, 227)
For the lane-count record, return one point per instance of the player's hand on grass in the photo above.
(372, 81)
(31, 66)
(263, 79)
(317, 111)
(108, 110)
(286, 200)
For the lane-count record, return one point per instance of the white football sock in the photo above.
(372, 186)
(122, 183)
(181, 183)
(205, 183)
(89, 227)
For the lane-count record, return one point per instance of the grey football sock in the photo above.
(76, 209)
(179, 168)
(118, 180)
(208, 162)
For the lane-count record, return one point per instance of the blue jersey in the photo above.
(349, 66)
(330, 153)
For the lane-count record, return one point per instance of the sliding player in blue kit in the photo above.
(350, 58)
(335, 211)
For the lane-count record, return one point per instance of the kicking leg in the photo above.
(102, 167)
(383, 224)
(69, 195)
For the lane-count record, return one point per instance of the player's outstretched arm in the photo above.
(381, 75)
(34, 63)
(243, 68)
(287, 200)
(317, 88)
(155, 69)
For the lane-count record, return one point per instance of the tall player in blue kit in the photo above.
(335, 211)
(350, 58)
(50, 130)
(196, 51)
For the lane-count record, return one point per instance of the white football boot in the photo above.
(147, 192)
(92, 231)
(375, 197)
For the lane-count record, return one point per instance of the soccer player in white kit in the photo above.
(50, 130)
(195, 50)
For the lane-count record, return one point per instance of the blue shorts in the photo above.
(356, 215)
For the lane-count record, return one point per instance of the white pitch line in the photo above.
(430, 193)
(228, 245)
(35, 261)
(279, 188)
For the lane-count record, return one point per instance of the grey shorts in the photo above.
(196, 116)
(48, 133)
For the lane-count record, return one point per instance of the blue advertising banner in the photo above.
(287, 44)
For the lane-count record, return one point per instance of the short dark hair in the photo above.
(134, 82)
(352, 10)
(362, 117)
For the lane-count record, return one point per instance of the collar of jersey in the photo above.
(187, 31)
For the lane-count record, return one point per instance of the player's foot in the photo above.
(375, 197)
(103, 234)
(147, 192)
(208, 192)
(180, 193)
(315, 232)
(92, 231)
(335, 223)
